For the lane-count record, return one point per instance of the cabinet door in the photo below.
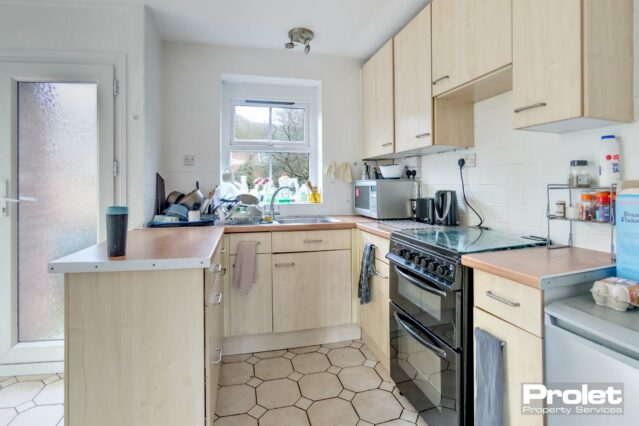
(374, 316)
(311, 290)
(547, 72)
(471, 38)
(413, 89)
(377, 103)
(252, 313)
(523, 363)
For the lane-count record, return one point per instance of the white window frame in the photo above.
(306, 96)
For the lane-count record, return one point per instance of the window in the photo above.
(270, 141)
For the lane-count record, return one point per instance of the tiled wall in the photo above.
(508, 185)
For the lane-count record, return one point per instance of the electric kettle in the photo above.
(446, 209)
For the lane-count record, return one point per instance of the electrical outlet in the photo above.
(189, 159)
(470, 159)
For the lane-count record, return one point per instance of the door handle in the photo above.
(438, 351)
(313, 241)
(283, 265)
(219, 358)
(420, 284)
(215, 298)
(537, 105)
(422, 135)
(216, 268)
(387, 144)
(440, 79)
(502, 300)
(380, 275)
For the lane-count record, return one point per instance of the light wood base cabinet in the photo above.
(311, 290)
(252, 312)
(523, 363)
(375, 316)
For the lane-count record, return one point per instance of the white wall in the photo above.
(191, 111)
(508, 186)
(152, 110)
(90, 30)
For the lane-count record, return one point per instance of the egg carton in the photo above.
(619, 294)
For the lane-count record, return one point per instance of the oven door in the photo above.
(426, 370)
(429, 302)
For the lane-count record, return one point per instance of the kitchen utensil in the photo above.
(392, 171)
(205, 206)
(174, 198)
(377, 174)
(177, 211)
(194, 216)
(193, 200)
(117, 218)
(367, 172)
(248, 199)
(446, 209)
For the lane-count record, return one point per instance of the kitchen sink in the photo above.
(303, 220)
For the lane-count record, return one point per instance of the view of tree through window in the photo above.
(270, 126)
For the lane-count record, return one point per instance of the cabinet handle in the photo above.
(502, 300)
(422, 135)
(215, 298)
(219, 359)
(216, 268)
(381, 276)
(313, 241)
(223, 250)
(283, 265)
(440, 79)
(387, 144)
(538, 105)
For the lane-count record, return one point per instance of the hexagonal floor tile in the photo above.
(240, 420)
(346, 357)
(368, 353)
(311, 363)
(338, 345)
(289, 416)
(46, 415)
(6, 415)
(377, 406)
(359, 379)
(398, 422)
(236, 373)
(277, 393)
(236, 399)
(273, 368)
(270, 354)
(318, 386)
(304, 349)
(51, 394)
(18, 393)
(331, 412)
(235, 358)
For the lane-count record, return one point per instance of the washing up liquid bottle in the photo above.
(609, 161)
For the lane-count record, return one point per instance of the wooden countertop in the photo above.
(376, 228)
(542, 268)
(345, 222)
(148, 249)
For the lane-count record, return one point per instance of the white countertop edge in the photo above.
(577, 277)
(129, 265)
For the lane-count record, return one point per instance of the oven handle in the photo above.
(420, 284)
(438, 351)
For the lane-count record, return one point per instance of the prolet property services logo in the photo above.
(573, 398)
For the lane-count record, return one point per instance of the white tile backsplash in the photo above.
(508, 184)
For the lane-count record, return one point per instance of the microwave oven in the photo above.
(384, 198)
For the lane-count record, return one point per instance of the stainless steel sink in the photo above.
(304, 220)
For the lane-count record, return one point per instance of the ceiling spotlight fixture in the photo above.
(301, 36)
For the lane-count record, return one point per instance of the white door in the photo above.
(56, 179)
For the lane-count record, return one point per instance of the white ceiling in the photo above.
(355, 28)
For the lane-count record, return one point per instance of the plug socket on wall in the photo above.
(470, 159)
(189, 159)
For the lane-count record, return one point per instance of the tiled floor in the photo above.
(332, 385)
(36, 400)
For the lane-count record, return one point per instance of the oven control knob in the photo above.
(422, 262)
(407, 255)
(432, 266)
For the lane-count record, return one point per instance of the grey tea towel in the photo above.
(245, 266)
(366, 271)
(489, 379)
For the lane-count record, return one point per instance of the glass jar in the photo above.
(603, 206)
(579, 176)
(587, 206)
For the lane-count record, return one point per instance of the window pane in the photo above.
(294, 165)
(288, 124)
(253, 167)
(57, 170)
(251, 123)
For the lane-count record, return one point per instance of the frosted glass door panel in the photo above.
(58, 188)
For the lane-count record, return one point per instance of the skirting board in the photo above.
(376, 351)
(272, 341)
(28, 369)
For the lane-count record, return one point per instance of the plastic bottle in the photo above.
(609, 161)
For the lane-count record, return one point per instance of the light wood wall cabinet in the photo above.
(311, 290)
(413, 89)
(471, 38)
(572, 63)
(377, 103)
